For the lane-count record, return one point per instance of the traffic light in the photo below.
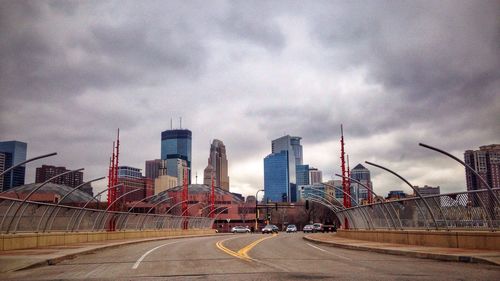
(276, 206)
(307, 204)
(268, 217)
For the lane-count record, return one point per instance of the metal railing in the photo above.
(468, 210)
(74, 219)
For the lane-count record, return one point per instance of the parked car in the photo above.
(317, 227)
(291, 228)
(270, 228)
(308, 228)
(240, 229)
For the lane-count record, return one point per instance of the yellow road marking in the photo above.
(226, 250)
(243, 252)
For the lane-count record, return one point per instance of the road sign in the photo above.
(228, 220)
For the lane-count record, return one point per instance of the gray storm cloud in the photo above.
(394, 73)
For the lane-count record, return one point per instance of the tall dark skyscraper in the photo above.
(176, 144)
(14, 152)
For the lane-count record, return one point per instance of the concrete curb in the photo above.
(58, 259)
(423, 255)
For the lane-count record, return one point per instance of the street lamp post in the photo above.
(257, 209)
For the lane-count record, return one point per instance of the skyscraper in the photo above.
(175, 168)
(176, 144)
(153, 168)
(15, 152)
(276, 177)
(486, 161)
(302, 175)
(294, 154)
(315, 176)
(46, 172)
(361, 174)
(217, 166)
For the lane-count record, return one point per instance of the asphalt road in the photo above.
(250, 257)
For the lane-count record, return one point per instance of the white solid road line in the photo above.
(138, 262)
(318, 248)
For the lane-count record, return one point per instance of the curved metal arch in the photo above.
(150, 209)
(60, 201)
(317, 197)
(78, 219)
(33, 192)
(376, 196)
(209, 205)
(339, 209)
(224, 208)
(176, 204)
(330, 207)
(111, 205)
(468, 167)
(414, 189)
(352, 200)
(215, 209)
(331, 196)
(133, 206)
(333, 210)
(24, 162)
(199, 202)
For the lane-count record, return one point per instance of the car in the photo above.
(329, 228)
(291, 228)
(240, 229)
(308, 228)
(317, 227)
(270, 228)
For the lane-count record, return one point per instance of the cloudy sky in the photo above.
(395, 73)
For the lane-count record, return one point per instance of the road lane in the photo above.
(292, 252)
(283, 257)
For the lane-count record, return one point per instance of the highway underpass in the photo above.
(249, 257)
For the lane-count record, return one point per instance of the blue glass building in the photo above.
(15, 152)
(176, 144)
(302, 175)
(276, 177)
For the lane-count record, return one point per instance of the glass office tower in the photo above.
(176, 144)
(15, 152)
(276, 177)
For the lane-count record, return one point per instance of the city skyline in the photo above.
(394, 74)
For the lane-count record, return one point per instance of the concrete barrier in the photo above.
(450, 239)
(20, 241)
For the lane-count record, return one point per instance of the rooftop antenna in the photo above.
(180, 122)
(171, 127)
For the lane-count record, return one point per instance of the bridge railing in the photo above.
(468, 210)
(33, 217)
